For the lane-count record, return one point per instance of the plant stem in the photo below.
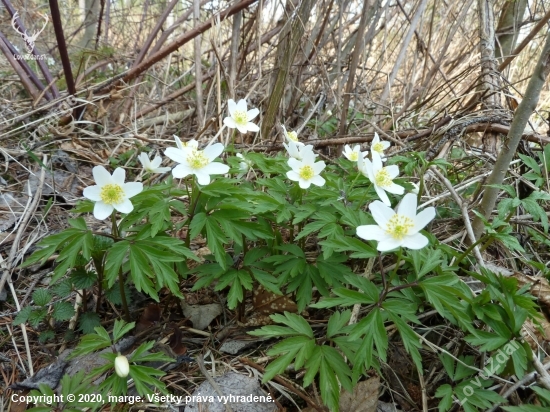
(114, 231)
(192, 206)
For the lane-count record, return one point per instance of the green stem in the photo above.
(114, 231)
(195, 194)
(470, 248)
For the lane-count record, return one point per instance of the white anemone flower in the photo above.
(382, 177)
(379, 146)
(292, 137)
(111, 192)
(355, 153)
(191, 144)
(395, 229)
(152, 166)
(197, 162)
(122, 367)
(306, 171)
(240, 118)
(298, 151)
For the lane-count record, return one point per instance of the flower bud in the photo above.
(122, 367)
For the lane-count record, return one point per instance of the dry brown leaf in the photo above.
(364, 397)
(267, 303)
(150, 316)
(539, 287)
(533, 336)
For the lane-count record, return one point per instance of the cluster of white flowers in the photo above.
(305, 170)
(111, 193)
(393, 229)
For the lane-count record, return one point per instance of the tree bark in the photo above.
(521, 117)
(288, 48)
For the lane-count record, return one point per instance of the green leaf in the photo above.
(121, 328)
(88, 321)
(41, 297)
(445, 392)
(63, 311)
(337, 322)
(530, 162)
(197, 224)
(22, 316)
(295, 322)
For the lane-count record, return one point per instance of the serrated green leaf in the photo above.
(63, 311)
(41, 297)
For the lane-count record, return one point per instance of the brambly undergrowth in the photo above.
(346, 237)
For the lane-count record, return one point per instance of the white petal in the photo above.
(381, 213)
(252, 127)
(242, 128)
(215, 168)
(389, 243)
(317, 180)
(292, 175)
(423, 218)
(241, 105)
(307, 154)
(102, 211)
(119, 175)
(318, 167)
(416, 241)
(304, 184)
(395, 189)
(161, 170)
(371, 232)
(178, 142)
(156, 162)
(232, 106)
(382, 195)
(375, 139)
(101, 176)
(125, 206)
(202, 178)
(92, 193)
(144, 160)
(294, 164)
(385, 145)
(229, 122)
(177, 155)
(376, 161)
(181, 171)
(347, 149)
(213, 151)
(407, 207)
(133, 188)
(252, 113)
(393, 170)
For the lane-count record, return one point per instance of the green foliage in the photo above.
(268, 231)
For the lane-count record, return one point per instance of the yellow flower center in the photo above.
(293, 136)
(112, 194)
(354, 156)
(383, 178)
(306, 172)
(378, 147)
(399, 226)
(197, 160)
(240, 117)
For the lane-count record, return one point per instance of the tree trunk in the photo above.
(490, 80)
(286, 52)
(508, 28)
(91, 16)
(521, 117)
